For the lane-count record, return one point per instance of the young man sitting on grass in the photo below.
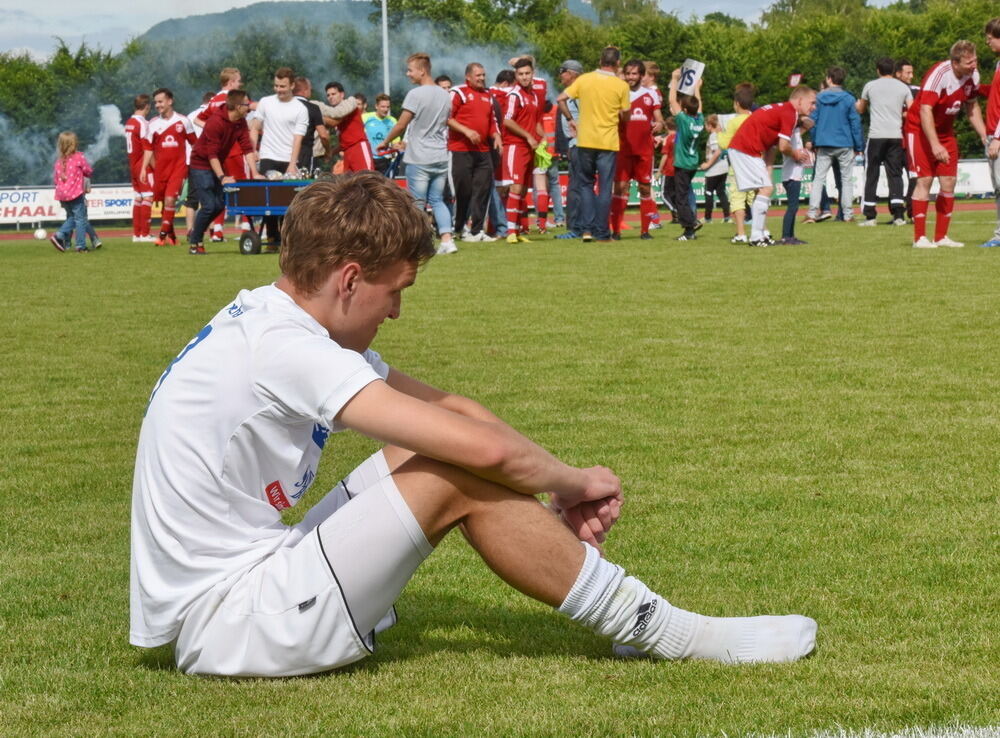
(233, 434)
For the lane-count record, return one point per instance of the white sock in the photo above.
(759, 219)
(625, 610)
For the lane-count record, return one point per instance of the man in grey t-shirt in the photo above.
(886, 99)
(426, 109)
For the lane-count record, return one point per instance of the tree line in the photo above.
(40, 98)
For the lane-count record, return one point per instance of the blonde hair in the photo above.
(66, 146)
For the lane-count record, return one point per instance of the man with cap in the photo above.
(568, 72)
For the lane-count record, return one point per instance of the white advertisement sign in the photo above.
(27, 205)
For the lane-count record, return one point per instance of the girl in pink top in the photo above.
(68, 174)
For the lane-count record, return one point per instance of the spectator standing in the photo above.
(69, 175)
(739, 200)
(635, 151)
(992, 95)
(904, 73)
(551, 123)
(686, 110)
(837, 136)
(498, 197)
(377, 125)
(472, 133)
(316, 135)
(716, 169)
(947, 88)
(136, 130)
(751, 152)
(604, 102)
(569, 70)
(282, 121)
(792, 170)
(667, 170)
(886, 99)
(426, 109)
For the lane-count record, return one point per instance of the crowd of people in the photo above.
(482, 158)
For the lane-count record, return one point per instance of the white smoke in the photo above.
(111, 125)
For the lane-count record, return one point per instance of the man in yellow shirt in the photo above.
(603, 100)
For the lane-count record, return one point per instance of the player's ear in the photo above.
(349, 276)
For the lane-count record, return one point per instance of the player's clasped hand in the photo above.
(591, 517)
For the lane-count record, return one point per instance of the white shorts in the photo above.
(751, 172)
(317, 604)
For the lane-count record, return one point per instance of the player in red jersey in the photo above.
(165, 145)
(540, 89)
(346, 116)
(235, 165)
(635, 152)
(520, 138)
(931, 147)
(752, 151)
(992, 94)
(136, 129)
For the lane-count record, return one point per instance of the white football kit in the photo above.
(232, 435)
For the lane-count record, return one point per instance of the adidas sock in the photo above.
(542, 206)
(759, 219)
(625, 610)
(167, 224)
(943, 207)
(919, 219)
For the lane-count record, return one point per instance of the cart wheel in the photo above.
(249, 243)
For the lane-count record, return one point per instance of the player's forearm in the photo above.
(216, 166)
(927, 125)
(293, 162)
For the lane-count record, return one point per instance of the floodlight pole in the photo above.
(385, 47)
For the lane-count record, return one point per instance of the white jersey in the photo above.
(193, 116)
(232, 435)
(791, 169)
(281, 121)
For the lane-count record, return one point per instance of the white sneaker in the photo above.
(486, 237)
(899, 222)
(924, 243)
(738, 239)
(470, 238)
(143, 239)
(948, 242)
(867, 223)
(447, 247)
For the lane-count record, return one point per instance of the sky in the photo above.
(110, 23)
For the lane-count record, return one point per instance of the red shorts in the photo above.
(235, 166)
(141, 188)
(169, 182)
(634, 166)
(516, 164)
(920, 159)
(358, 158)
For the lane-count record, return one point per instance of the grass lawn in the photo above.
(799, 429)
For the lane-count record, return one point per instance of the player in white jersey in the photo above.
(233, 433)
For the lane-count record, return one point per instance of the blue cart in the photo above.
(256, 198)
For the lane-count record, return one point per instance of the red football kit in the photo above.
(168, 139)
(136, 130)
(473, 109)
(518, 157)
(354, 143)
(764, 127)
(541, 89)
(635, 136)
(947, 95)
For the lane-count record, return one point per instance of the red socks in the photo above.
(167, 225)
(618, 203)
(647, 211)
(943, 206)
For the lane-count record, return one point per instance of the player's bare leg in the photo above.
(529, 548)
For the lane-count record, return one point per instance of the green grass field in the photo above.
(799, 429)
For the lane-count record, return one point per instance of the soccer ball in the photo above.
(41, 234)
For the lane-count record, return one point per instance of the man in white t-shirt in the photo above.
(280, 124)
(232, 435)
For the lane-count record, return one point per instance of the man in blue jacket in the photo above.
(837, 135)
